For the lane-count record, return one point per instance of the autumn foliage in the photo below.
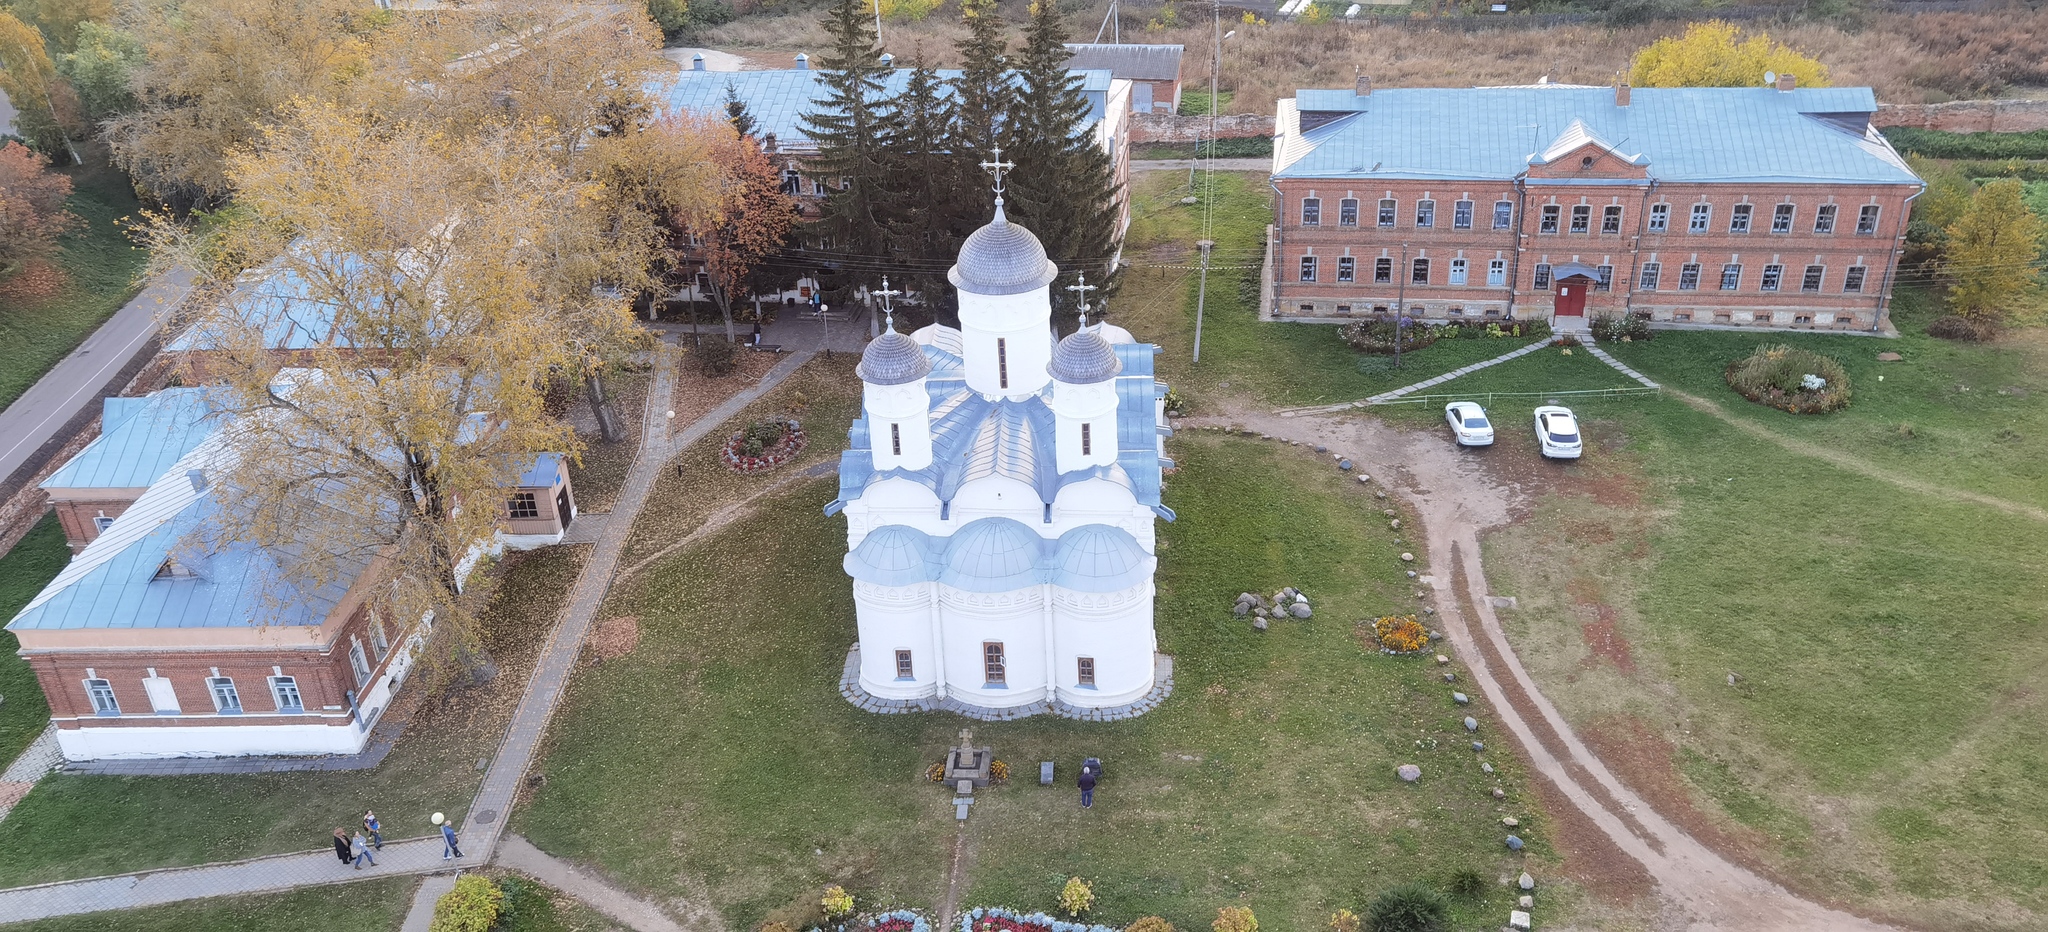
(32, 211)
(1717, 54)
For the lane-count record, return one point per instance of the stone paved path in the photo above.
(519, 854)
(493, 802)
(1392, 394)
(35, 762)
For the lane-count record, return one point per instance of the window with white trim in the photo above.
(1702, 217)
(1866, 220)
(1610, 219)
(1781, 218)
(225, 700)
(1606, 280)
(1308, 268)
(1457, 271)
(1774, 275)
(1503, 214)
(1812, 279)
(1660, 217)
(379, 641)
(1420, 274)
(1852, 280)
(1347, 212)
(1582, 218)
(1547, 220)
(1383, 271)
(285, 690)
(1497, 272)
(358, 662)
(1542, 276)
(1824, 219)
(904, 670)
(1347, 269)
(1311, 211)
(1387, 207)
(1461, 215)
(1731, 276)
(1648, 280)
(1738, 219)
(101, 693)
(102, 522)
(1425, 215)
(1689, 277)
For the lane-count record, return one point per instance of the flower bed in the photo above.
(998, 919)
(901, 920)
(764, 445)
(1795, 380)
(1400, 634)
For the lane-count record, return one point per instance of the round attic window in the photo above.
(1586, 162)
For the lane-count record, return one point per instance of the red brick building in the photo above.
(1753, 207)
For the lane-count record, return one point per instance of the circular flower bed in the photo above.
(1400, 634)
(998, 919)
(764, 445)
(1795, 380)
(901, 920)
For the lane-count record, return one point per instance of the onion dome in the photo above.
(893, 359)
(1084, 358)
(1001, 258)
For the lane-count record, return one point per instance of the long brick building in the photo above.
(1756, 207)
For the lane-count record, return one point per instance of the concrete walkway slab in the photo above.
(519, 854)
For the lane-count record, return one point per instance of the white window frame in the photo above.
(1783, 217)
(1606, 280)
(1461, 215)
(1731, 277)
(280, 687)
(1390, 212)
(100, 692)
(226, 699)
(1540, 279)
(1816, 273)
(1425, 214)
(1689, 277)
(1611, 212)
(1652, 272)
(1702, 218)
(358, 661)
(1739, 217)
(101, 522)
(1867, 217)
(1548, 219)
(1660, 217)
(1582, 219)
(380, 640)
(1383, 271)
(1308, 268)
(1418, 271)
(1773, 279)
(1347, 208)
(1824, 219)
(1503, 215)
(1458, 271)
(1311, 211)
(1853, 277)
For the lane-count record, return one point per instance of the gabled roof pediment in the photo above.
(1579, 141)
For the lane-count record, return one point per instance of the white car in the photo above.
(1469, 424)
(1557, 433)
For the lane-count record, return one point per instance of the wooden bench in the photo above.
(764, 347)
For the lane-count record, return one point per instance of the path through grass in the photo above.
(369, 906)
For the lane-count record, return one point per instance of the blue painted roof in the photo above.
(1099, 558)
(293, 313)
(1758, 134)
(993, 555)
(545, 469)
(139, 439)
(892, 555)
(777, 100)
(1002, 555)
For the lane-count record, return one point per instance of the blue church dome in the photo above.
(1002, 258)
(992, 555)
(1099, 558)
(893, 359)
(892, 555)
(1084, 357)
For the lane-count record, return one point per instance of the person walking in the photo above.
(361, 849)
(341, 847)
(1087, 783)
(449, 848)
(375, 828)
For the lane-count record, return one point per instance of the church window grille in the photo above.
(993, 669)
(904, 671)
(896, 439)
(1087, 443)
(1002, 362)
(1085, 670)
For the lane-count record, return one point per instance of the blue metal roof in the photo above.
(545, 469)
(1757, 134)
(292, 312)
(139, 439)
(892, 555)
(1002, 555)
(1099, 558)
(777, 100)
(993, 555)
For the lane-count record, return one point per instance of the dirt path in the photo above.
(1700, 889)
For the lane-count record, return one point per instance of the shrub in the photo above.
(1567, 341)
(1235, 919)
(1077, 897)
(1343, 920)
(1150, 924)
(1400, 634)
(836, 902)
(716, 358)
(471, 907)
(1410, 907)
(1467, 883)
(1628, 326)
(1795, 380)
(1958, 327)
(1377, 336)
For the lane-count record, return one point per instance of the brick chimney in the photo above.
(1787, 82)
(1621, 92)
(1364, 86)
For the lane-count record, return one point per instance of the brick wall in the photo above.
(1172, 127)
(77, 518)
(1967, 116)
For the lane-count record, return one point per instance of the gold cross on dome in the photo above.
(998, 166)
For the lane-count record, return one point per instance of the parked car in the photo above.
(1469, 424)
(1557, 433)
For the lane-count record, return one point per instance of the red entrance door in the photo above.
(1571, 296)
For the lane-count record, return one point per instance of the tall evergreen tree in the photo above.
(736, 111)
(922, 185)
(985, 90)
(847, 127)
(1064, 187)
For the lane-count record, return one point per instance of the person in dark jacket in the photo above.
(375, 828)
(1087, 783)
(341, 846)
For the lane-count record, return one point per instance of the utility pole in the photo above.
(1202, 294)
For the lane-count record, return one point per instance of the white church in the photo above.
(1000, 491)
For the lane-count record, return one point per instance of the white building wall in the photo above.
(911, 504)
(300, 737)
(1114, 628)
(968, 620)
(893, 618)
(1093, 405)
(1024, 323)
(907, 408)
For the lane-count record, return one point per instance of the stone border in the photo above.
(849, 687)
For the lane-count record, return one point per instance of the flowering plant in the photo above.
(836, 902)
(998, 919)
(763, 446)
(1812, 383)
(1077, 897)
(901, 920)
(1400, 634)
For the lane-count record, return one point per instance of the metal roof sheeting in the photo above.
(1128, 60)
(1760, 134)
(139, 439)
(1002, 555)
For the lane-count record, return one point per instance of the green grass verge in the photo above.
(1198, 103)
(369, 906)
(23, 572)
(100, 264)
(1249, 147)
(1267, 779)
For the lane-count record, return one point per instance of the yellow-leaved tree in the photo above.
(1717, 54)
(47, 112)
(1994, 254)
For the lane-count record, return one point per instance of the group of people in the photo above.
(363, 845)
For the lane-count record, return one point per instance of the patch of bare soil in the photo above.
(613, 638)
(697, 393)
(1647, 761)
(1603, 637)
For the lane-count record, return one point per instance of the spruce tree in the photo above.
(985, 90)
(922, 184)
(846, 126)
(736, 111)
(1064, 187)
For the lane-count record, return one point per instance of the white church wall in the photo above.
(893, 618)
(899, 425)
(1100, 501)
(1091, 405)
(969, 621)
(996, 497)
(1023, 322)
(1115, 630)
(894, 501)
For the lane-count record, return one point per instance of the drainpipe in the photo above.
(1279, 241)
(1635, 262)
(1400, 303)
(1884, 292)
(1521, 213)
(938, 621)
(1052, 658)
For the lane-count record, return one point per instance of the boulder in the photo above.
(1450, 677)
(1512, 822)
(1478, 746)
(1299, 610)
(1246, 598)
(1322, 449)
(1259, 624)
(1485, 767)
(1344, 465)
(1411, 574)
(1514, 843)
(1889, 357)
(1395, 524)
(1518, 919)
(1388, 512)
(1409, 773)
(1525, 881)
(1363, 478)
(1460, 698)
(1499, 793)
(1471, 724)
(1407, 557)
(1441, 660)
(1526, 902)
(1242, 609)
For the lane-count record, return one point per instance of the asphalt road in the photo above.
(81, 378)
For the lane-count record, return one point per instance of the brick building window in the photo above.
(1781, 218)
(1582, 219)
(1651, 272)
(1548, 221)
(1311, 211)
(1503, 214)
(379, 641)
(1387, 212)
(1420, 274)
(1824, 219)
(1866, 220)
(1689, 277)
(1702, 216)
(1738, 219)
(1457, 271)
(359, 662)
(1610, 219)
(1347, 269)
(225, 700)
(1660, 217)
(1731, 276)
(1084, 671)
(102, 522)
(1425, 215)
(1542, 276)
(1852, 281)
(904, 671)
(1773, 276)
(1347, 212)
(522, 505)
(1308, 268)
(1461, 215)
(1383, 271)
(1606, 281)
(1812, 279)
(285, 689)
(993, 670)
(102, 694)
(163, 698)
(1497, 272)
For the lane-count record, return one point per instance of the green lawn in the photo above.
(1882, 743)
(718, 763)
(101, 265)
(370, 906)
(78, 826)
(23, 572)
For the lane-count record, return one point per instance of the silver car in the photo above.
(1557, 433)
(1469, 424)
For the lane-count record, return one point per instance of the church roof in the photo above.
(1084, 358)
(893, 359)
(1002, 555)
(1002, 258)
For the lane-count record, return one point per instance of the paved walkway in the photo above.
(519, 854)
(1601, 355)
(1390, 395)
(76, 382)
